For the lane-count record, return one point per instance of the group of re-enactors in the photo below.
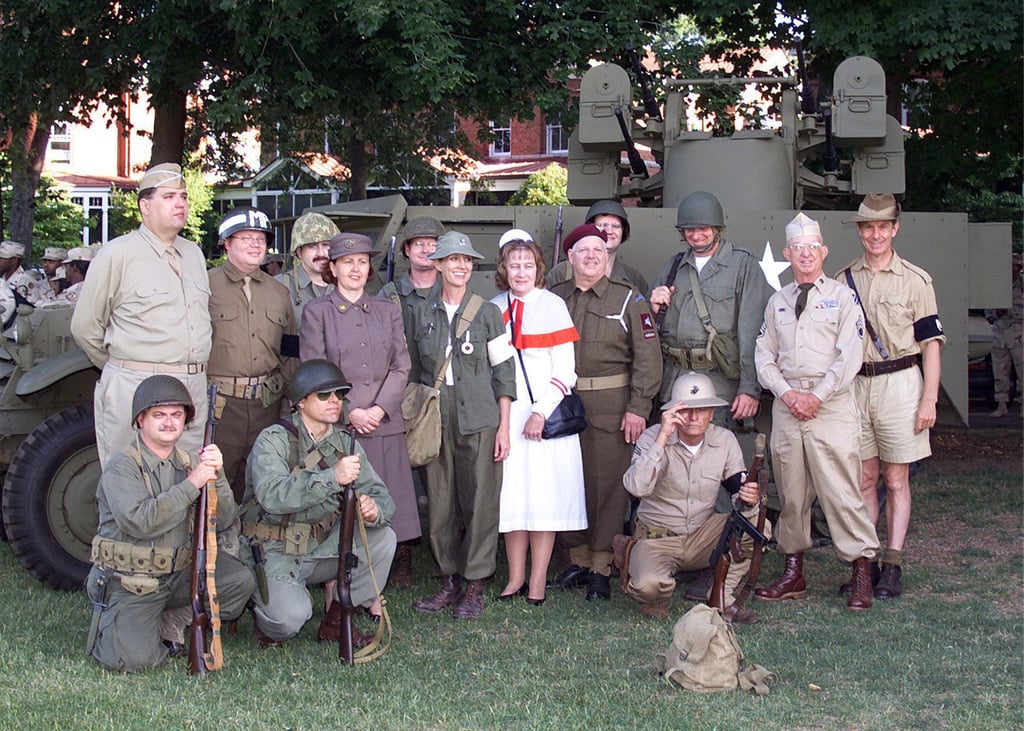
(310, 372)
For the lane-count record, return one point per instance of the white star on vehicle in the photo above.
(771, 268)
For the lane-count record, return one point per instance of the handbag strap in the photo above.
(465, 320)
(512, 322)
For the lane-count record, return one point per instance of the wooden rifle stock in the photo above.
(204, 558)
(347, 561)
(759, 470)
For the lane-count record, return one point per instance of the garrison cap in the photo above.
(803, 229)
(164, 175)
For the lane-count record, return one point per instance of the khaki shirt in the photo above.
(31, 285)
(129, 511)
(819, 353)
(900, 304)
(7, 302)
(133, 306)
(617, 336)
(678, 490)
(301, 287)
(69, 297)
(247, 335)
(735, 293)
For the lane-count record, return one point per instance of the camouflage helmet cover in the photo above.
(162, 390)
(314, 376)
(312, 228)
(610, 208)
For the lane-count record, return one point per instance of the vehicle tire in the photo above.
(49, 498)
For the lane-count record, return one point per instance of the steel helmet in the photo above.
(245, 219)
(312, 228)
(696, 391)
(422, 227)
(610, 208)
(700, 210)
(314, 376)
(162, 390)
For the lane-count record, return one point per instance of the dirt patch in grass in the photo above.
(973, 449)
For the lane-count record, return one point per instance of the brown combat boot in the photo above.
(330, 629)
(862, 589)
(471, 605)
(450, 594)
(401, 567)
(847, 588)
(789, 585)
(262, 640)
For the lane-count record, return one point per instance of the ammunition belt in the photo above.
(602, 383)
(128, 558)
(243, 387)
(270, 532)
(887, 366)
(695, 359)
(642, 531)
(139, 365)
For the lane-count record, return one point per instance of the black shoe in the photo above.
(598, 587)
(175, 649)
(535, 602)
(522, 591)
(572, 576)
(890, 583)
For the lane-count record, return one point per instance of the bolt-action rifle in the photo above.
(347, 561)
(205, 655)
(556, 249)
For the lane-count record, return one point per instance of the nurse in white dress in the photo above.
(542, 488)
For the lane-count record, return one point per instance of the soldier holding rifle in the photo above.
(142, 549)
(295, 477)
(683, 471)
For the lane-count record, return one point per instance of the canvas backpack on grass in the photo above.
(704, 656)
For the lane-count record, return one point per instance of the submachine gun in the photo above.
(736, 525)
(347, 561)
(205, 655)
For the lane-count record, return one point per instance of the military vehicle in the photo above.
(820, 156)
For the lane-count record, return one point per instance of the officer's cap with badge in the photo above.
(347, 243)
(452, 243)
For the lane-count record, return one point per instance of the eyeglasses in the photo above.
(606, 225)
(252, 240)
(801, 248)
(338, 393)
(421, 244)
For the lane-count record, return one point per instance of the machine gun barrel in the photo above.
(636, 163)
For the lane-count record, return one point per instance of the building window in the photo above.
(501, 137)
(558, 139)
(60, 143)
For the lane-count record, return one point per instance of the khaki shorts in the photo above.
(888, 409)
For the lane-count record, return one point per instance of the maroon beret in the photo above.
(582, 231)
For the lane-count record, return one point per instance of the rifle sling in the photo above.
(879, 346)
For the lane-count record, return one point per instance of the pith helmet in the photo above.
(315, 376)
(312, 228)
(700, 210)
(455, 242)
(610, 208)
(422, 227)
(695, 391)
(162, 390)
(245, 219)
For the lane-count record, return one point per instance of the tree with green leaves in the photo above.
(547, 187)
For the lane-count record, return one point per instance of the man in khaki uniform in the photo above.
(682, 470)
(250, 314)
(311, 235)
(53, 257)
(808, 354)
(143, 546)
(1008, 343)
(27, 284)
(896, 398)
(144, 309)
(75, 268)
(618, 363)
(610, 217)
(8, 306)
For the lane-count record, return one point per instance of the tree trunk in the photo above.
(357, 166)
(168, 129)
(28, 153)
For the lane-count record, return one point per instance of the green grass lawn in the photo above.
(947, 655)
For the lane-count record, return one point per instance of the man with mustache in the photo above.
(305, 280)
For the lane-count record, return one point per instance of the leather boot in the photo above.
(262, 640)
(450, 594)
(891, 582)
(700, 590)
(471, 605)
(862, 589)
(401, 567)
(1000, 411)
(330, 626)
(789, 585)
(847, 588)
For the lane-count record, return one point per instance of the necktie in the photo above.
(801, 299)
(172, 260)
(247, 290)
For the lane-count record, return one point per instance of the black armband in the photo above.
(927, 328)
(733, 484)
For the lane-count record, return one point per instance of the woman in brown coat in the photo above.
(364, 336)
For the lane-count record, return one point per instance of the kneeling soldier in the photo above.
(295, 477)
(142, 550)
(681, 471)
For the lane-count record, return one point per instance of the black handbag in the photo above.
(569, 417)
